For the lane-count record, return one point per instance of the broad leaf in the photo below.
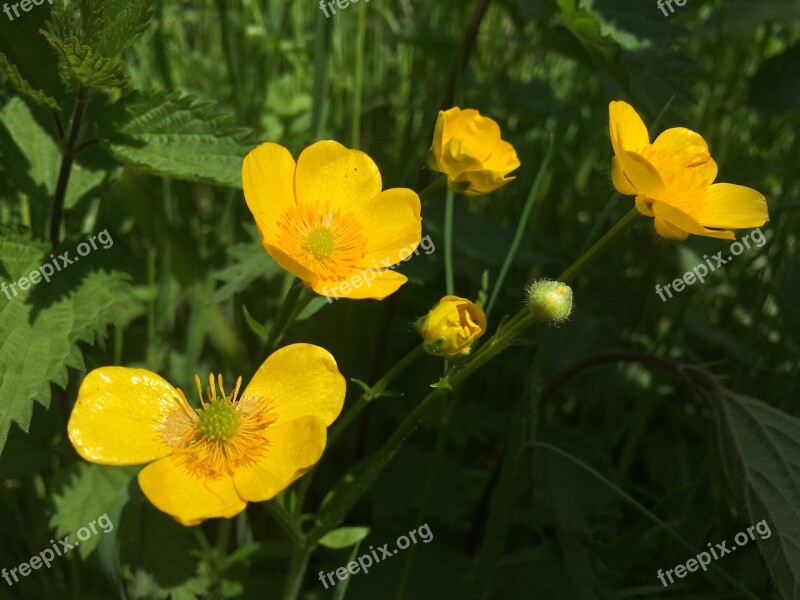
(41, 327)
(87, 496)
(764, 445)
(176, 136)
(90, 68)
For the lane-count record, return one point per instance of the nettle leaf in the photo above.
(90, 68)
(88, 494)
(110, 26)
(176, 136)
(22, 85)
(764, 445)
(40, 327)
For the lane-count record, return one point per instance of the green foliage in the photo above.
(343, 537)
(90, 68)
(22, 86)
(41, 327)
(763, 444)
(174, 135)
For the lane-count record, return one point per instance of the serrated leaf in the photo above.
(176, 136)
(90, 68)
(765, 443)
(110, 26)
(22, 85)
(343, 537)
(41, 327)
(87, 495)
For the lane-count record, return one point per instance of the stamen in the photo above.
(221, 386)
(199, 390)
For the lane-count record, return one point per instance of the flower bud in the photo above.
(451, 327)
(550, 301)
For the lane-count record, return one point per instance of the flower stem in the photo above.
(437, 185)
(449, 277)
(283, 320)
(297, 570)
(286, 521)
(592, 253)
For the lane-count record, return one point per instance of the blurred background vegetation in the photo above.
(619, 388)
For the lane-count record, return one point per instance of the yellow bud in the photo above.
(550, 301)
(469, 149)
(451, 327)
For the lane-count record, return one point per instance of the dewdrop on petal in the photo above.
(550, 301)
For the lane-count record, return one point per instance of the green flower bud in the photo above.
(550, 301)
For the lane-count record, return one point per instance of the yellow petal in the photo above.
(368, 283)
(642, 175)
(669, 231)
(621, 183)
(686, 146)
(394, 225)
(268, 183)
(330, 175)
(173, 489)
(292, 448)
(729, 206)
(120, 415)
(289, 264)
(481, 182)
(627, 129)
(300, 380)
(684, 222)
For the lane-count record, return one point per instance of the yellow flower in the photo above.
(452, 326)
(467, 147)
(673, 180)
(211, 461)
(326, 220)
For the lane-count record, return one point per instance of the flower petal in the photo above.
(684, 222)
(173, 489)
(685, 145)
(330, 175)
(621, 183)
(120, 416)
(725, 205)
(300, 380)
(627, 129)
(287, 263)
(393, 221)
(368, 283)
(642, 175)
(268, 182)
(293, 447)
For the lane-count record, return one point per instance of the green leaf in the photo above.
(41, 327)
(90, 68)
(22, 85)
(88, 494)
(344, 537)
(110, 26)
(176, 136)
(246, 264)
(764, 444)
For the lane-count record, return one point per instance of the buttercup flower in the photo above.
(211, 461)
(452, 326)
(326, 220)
(468, 148)
(673, 181)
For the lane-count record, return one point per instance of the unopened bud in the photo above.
(549, 301)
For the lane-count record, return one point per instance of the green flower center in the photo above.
(320, 242)
(219, 420)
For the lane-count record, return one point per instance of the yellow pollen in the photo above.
(320, 242)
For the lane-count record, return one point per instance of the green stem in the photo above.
(297, 570)
(355, 132)
(521, 226)
(433, 188)
(283, 320)
(287, 522)
(375, 392)
(68, 153)
(449, 277)
(592, 253)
